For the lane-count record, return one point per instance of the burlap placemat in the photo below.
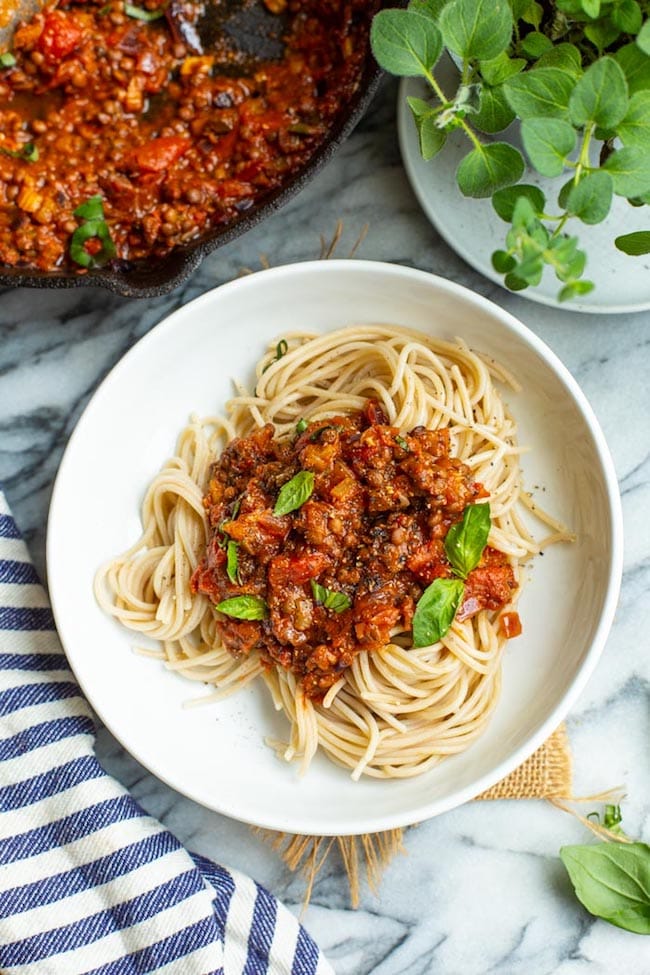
(547, 774)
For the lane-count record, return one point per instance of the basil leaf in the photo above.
(612, 880)
(401, 442)
(634, 244)
(294, 493)
(232, 562)
(244, 608)
(336, 601)
(435, 611)
(7, 60)
(405, 42)
(301, 426)
(466, 539)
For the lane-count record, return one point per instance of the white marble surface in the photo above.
(481, 888)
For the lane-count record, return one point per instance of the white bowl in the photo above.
(216, 754)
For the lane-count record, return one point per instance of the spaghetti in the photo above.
(397, 710)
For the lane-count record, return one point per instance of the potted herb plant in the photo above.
(575, 76)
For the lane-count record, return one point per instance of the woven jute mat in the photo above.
(547, 774)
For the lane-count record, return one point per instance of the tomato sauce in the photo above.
(371, 534)
(175, 140)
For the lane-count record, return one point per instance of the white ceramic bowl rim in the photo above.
(335, 269)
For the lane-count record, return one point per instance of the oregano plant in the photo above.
(576, 74)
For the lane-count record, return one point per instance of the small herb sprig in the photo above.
(612, 879)
(576, 73)
(464, 545)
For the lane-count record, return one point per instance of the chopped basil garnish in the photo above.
(281, 350)
(232, 562)
(244, 608)
(301, 426)
(94, 226)
(141, 13)
(435, 611)
(7, 60)
(29, 152)
(466, 539)
(294, 493)
(401, 442)
(336, 601)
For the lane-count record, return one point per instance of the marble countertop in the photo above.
(481, 889)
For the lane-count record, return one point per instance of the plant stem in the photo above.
(583, 158)
(463, 124)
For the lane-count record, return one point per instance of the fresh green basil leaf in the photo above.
(7, 60)
(612, 881)
(435, 611)
(232, 562)
(504, 200)
(338, 602)
(634, 244)
(634, 130)
(542, 93)
(643, 38)
(431, 138)
(535, 44)
(486, 169)
(294, 493)
(244, 608)
(476, 29)
(600, 96)
(564, 56)
(591, 199)
(498, 69)
(503, 262)
(575, 289)
(627, 16)
(630, 170)
(405, 42)
(636, 67)
(466, 540)
(494, 114)
(548, 141)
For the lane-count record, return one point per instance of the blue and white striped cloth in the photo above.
(89, 883)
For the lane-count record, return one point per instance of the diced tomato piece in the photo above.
(60, 36)
(159, 154)
(297, 569)
(510, 625)
(234, 189)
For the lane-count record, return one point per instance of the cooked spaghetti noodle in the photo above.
(396, 711)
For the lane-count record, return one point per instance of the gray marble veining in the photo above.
(481, 889)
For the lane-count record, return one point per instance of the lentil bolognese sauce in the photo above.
(113, 103)
(353, 533)
(370, 535)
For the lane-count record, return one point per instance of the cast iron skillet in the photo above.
(152, 280)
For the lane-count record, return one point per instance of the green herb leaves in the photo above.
(29, 152)
(294, 493)
(93, 227)
(405, 42)
(634, 244)
(581, 79)
(244, 607)
(7, 60)
(466, 539)
(612, 880)
(141, 13)
(435, 611)
(232, 562)
(464, 546)
(329, 599)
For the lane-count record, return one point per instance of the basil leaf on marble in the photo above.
(435, 611)
(294, 493)
(329, 599)
(612, 880)
(244, 608)
(466, 539)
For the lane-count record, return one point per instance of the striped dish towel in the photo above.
(89, 883)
